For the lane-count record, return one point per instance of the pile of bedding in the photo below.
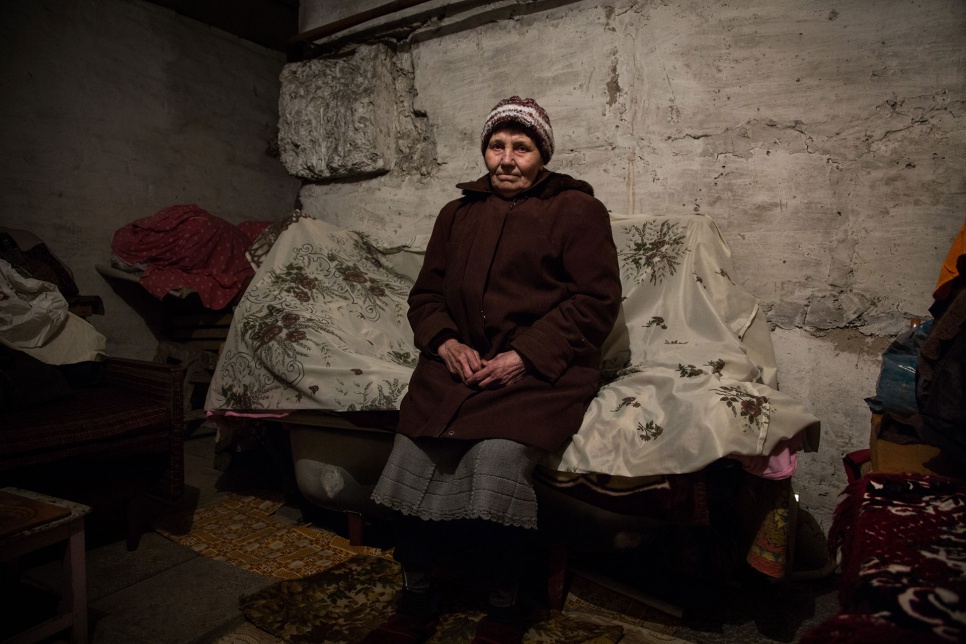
(185, 249)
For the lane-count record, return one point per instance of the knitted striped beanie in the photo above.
(525, 112)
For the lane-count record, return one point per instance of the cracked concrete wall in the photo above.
(826, 140)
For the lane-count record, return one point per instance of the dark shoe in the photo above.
(401, 629)
(489, 631)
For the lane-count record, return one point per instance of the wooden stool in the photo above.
(31, 521)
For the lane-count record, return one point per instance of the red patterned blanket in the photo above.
(903, 545)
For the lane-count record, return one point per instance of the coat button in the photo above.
(451, 432)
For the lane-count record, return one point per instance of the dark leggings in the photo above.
(502, 548)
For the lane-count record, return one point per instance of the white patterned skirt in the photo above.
(441, 480)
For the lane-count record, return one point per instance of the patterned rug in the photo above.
(348, 600)
(330, 591)
(242, 531)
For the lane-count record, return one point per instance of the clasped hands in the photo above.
(465, 363)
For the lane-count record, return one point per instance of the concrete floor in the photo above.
(164, 593)
(160, 593)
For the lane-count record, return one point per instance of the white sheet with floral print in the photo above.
(688, 375)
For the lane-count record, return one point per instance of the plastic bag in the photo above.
(895, 391)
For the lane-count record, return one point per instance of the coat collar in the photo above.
(548, 184)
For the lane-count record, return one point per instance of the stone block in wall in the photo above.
(835, 311)
(337, 116)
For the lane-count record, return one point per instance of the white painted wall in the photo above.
(111, 110)
(828, 141)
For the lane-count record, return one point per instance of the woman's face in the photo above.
(513, 161)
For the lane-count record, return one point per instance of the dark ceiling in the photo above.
(267, 22)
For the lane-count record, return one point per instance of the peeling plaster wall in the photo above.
(114, 109)
(826, 140)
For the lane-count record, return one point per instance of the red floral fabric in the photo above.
(186, 246)
(903, 560)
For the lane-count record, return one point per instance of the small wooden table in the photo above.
(30, 521)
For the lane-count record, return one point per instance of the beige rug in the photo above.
(240, 530)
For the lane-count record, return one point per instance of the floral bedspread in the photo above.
(688, 375)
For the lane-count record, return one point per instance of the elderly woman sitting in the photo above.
(517, 293)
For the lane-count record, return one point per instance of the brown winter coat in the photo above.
(537, 274)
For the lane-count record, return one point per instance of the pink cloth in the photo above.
(185, 246)
(781, 464)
